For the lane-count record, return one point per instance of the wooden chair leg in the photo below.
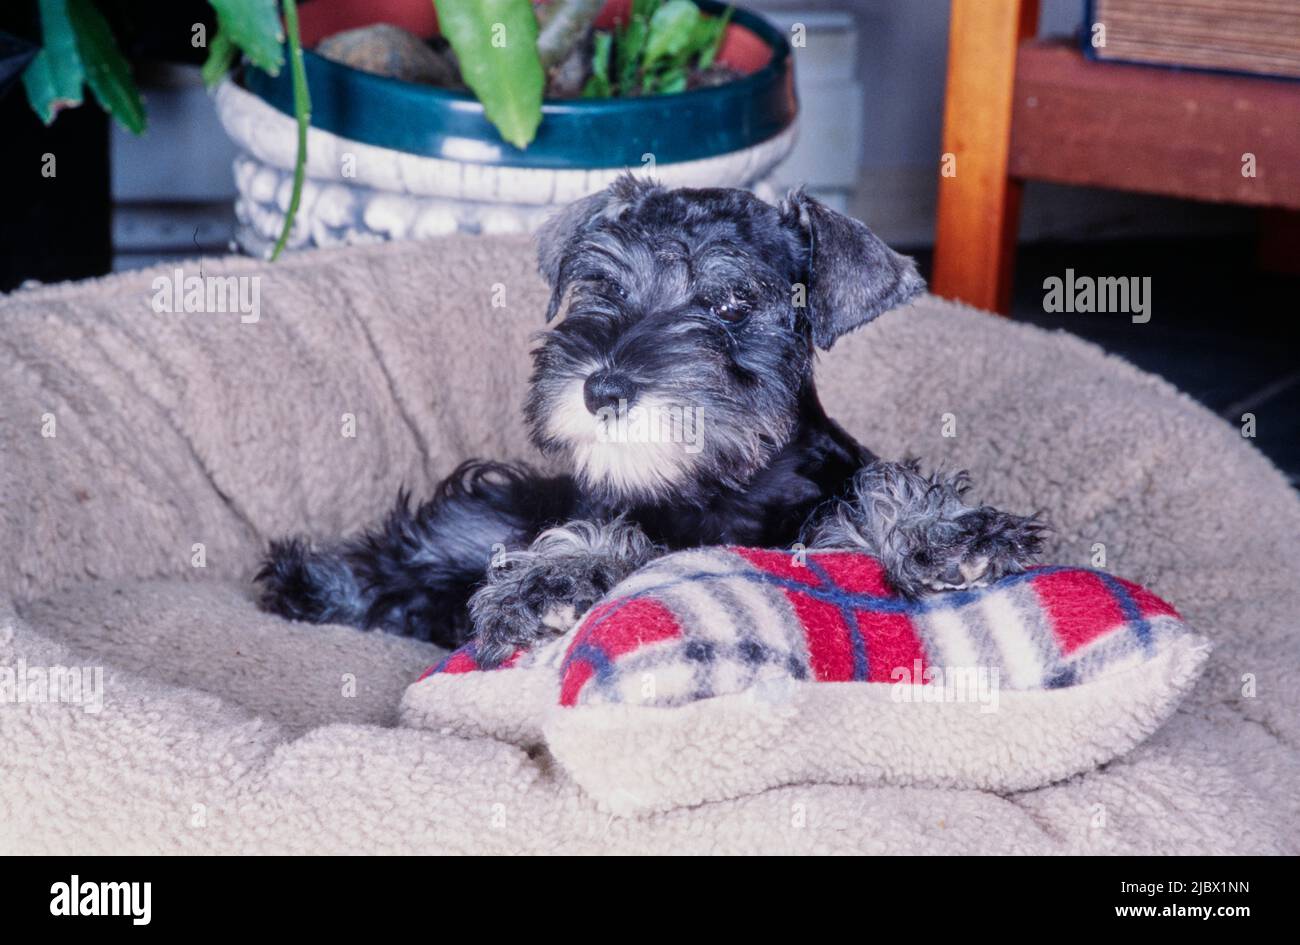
(979, 204)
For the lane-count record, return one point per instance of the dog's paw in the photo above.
(974, 549)
(923, 533)
(541, 593)
(519, 610)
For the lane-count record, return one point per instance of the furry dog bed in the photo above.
(147, 457)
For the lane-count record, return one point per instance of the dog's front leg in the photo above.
(414, 573)
(923, 533)
(543, 590)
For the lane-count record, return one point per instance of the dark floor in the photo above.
(1219, 329)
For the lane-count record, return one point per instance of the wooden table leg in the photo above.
(979, 205)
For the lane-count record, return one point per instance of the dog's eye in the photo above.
(731, 309)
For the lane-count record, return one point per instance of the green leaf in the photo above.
(670, 30)
(701, 37)
(54, 78)
(627, 51)
(604, 43)
(597, 85)
(221, 56)
(253, 26)
(495, 42)
(107, 72)
(717, 30)
(645, 8)
(673, 80)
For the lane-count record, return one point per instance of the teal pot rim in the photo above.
(575, 133)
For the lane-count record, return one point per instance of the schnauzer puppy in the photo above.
(678, 392)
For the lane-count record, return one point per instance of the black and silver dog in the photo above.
(695, 313)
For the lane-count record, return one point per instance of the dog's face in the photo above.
(688, 341)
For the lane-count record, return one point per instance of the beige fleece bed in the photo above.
(137, 445)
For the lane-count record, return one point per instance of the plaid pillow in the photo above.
(716, 621)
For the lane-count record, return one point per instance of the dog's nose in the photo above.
(608, 389)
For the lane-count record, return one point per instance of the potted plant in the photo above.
(560, 99)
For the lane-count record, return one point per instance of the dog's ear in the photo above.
(852, 275)
(557, 237)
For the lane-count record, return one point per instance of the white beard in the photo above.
(640, 467)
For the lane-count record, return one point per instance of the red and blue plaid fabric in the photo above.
(716, 621)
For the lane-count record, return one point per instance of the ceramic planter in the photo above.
(389, 159)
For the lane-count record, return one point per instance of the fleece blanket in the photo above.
(149, 447)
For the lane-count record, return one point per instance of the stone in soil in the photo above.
(387, 50)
